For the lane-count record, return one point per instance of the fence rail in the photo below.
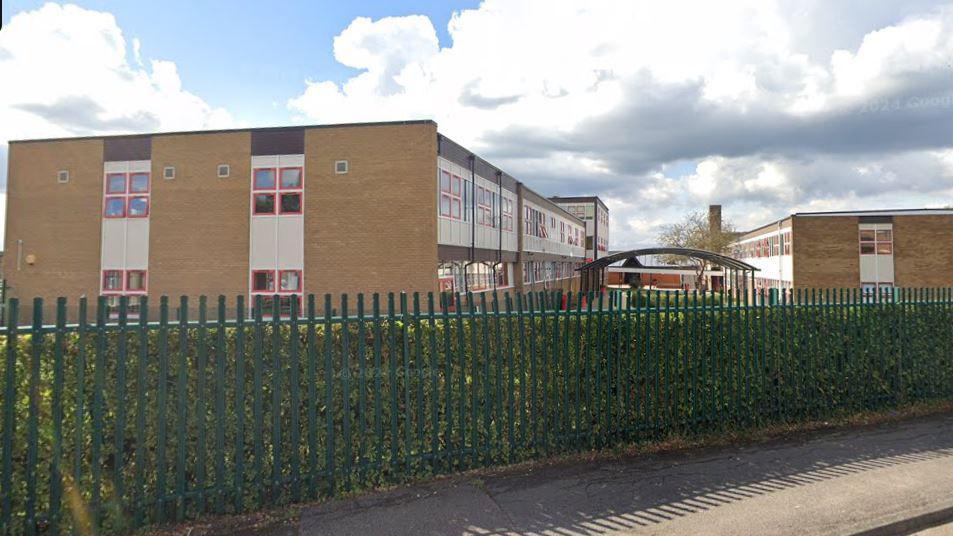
(113, 424)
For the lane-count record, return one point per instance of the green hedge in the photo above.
(164, 422)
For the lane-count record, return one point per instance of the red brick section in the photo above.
(59, 224)
(198, 237)
(923, 251)
(373, 229)
(826, 253)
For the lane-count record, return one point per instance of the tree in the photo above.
(694, 232)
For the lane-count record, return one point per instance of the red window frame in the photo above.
(282, 187)
(485, 207)
(254, 182)
(300, 281)
(254, 206)
(129, 206)
(122, 203)
(122, 282)
(451, 192)
(145, 281)
(280, 209)
(125, 184)
(266, 291)
(129, 189)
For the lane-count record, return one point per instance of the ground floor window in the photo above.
(287, 285)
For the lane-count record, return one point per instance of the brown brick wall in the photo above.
(198, 234)
(923, 251)
(373, 229)
(60, 224)
(825, 252)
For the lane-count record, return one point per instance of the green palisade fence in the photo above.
(112, 422)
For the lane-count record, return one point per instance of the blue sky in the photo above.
(251, 56)
(767, 107)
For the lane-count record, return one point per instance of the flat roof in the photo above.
(858, 213)
(227, 130)
(578, 199)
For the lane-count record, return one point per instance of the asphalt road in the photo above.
(882, 480)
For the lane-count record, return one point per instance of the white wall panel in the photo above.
(137, 244)
(113, 244)
(264, 244)
(290, 254)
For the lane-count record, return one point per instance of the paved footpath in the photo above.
(837, 482)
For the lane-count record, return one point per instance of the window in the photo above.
(340, 167)
(168, 172)
(139, 183)
(290, 281)
(562, 231)
(291, 203)
(116, 183)
(138, 207)
(277, 191)
(290, 178)
(127, 195)
(507, 214)
(112, 280)
(115, 207)
(264, 179)
(289, 285)
(876, 242)
(285, 305)
(62, 176)
(224, 170)
(263, 281)
(451, 196)
(264, 204)
(136, 281)
(484, 201)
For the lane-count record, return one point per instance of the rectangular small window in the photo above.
(139, 183)
(264, 204)
(341, 167)
(138, 207)
(444, 182)
(264, 179)
(290, 281)
(115, 207)
(112, 280)
(168, 172)
(290, 178)
(291, 203)
(63, 176)
(136, 281)
(116, 183)
(263, 281)
(224, 171)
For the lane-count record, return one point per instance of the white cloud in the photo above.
(72, 77)
(602, 96)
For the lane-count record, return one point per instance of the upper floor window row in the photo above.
(286, 178)
(277, 191)
(876, 242)
(126, 195)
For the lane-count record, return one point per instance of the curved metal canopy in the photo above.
(710, 256)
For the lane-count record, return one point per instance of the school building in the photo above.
(867, 249)
(372, 207)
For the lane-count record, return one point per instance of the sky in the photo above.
(767, 107)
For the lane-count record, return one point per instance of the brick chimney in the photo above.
(714, 217)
